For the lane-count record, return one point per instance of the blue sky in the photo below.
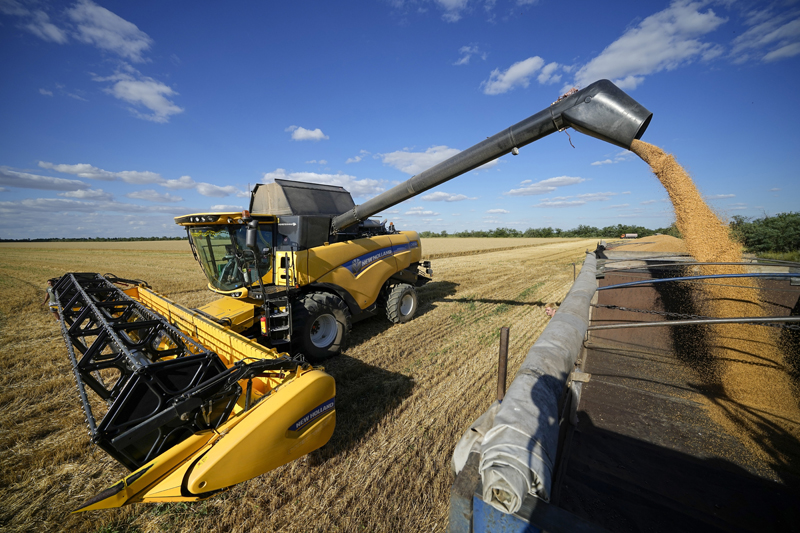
(119, 116)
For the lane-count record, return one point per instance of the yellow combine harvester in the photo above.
(291, 281)
(193, 401)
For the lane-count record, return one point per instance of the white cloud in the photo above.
(320, 162)
(14, 8)
(720, 196)
(648, 202)
(545, 186)
(445, 197)
(39, 24)
(23, 180)
(355, 186)
(625, 155)
(63, 205)
(559, 203)
(618, 206)
(596, 196)
(421, 211)
(143, 92)
(498, 211)
(184, 182)
(82, 170)
(467, 52)
(140, 177)
(208, 189)
(357, 158)
(580, 199)
(152, 196)
(663, 41)
(517, 74)
(302, 134)
(784, 52)
(225, 208)
(98, 26)
(415, 162)
(547, 75)
(88, 194)
(452, 9)
(771, 36)
(45, 92)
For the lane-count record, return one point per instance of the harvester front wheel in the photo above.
(401, 304)
(321, 325)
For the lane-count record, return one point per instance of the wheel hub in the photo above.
(323, 331)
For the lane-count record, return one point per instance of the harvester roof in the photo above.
(284, 197)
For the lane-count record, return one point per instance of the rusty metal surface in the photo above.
(645, 455)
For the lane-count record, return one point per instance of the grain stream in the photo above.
(752, 396)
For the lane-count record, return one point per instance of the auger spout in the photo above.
(601, 110)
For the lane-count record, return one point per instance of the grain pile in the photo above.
(655, 243)
(750, 392)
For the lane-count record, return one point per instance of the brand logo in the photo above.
(313, 414)
(357, 265)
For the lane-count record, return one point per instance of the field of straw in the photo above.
(405, 394)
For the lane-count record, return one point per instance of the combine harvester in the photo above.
(197, 400)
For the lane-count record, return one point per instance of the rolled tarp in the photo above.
(518, 453)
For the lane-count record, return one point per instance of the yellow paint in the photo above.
(239, 313)
(261, 441)
(229, 345)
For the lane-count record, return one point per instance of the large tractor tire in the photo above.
(321, 325)
(401, 303)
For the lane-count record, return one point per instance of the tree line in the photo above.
(583, 230)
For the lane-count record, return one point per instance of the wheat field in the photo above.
(405, 393)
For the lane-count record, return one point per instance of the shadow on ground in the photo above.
(429, 295)
(365, 395)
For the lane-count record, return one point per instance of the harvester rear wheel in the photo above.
(321, 325)
(401, 304)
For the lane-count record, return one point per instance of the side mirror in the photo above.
(252, 235)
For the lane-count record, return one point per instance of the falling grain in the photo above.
(754, 399)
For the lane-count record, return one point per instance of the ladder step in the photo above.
(280, 328)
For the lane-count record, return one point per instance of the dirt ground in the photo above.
(405, 394)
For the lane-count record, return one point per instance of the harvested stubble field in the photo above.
(404, 395)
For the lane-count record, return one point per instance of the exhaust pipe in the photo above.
(601, 110)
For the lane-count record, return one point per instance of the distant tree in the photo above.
(779, 233)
